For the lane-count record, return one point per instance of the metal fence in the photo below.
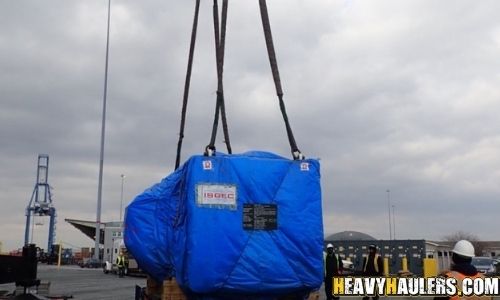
(394, 250)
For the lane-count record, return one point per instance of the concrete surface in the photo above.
(92, 284)
(86, 284)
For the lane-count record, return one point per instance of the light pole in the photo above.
(101, 160)
(121, 197)
(393, 222)
(389, 211)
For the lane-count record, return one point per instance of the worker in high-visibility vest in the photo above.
(462, 268)
(333, 267)
(373, 265)
(120, 263)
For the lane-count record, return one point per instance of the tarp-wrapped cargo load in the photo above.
(232, 224)
(149, 220)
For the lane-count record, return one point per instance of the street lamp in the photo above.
(121, 197)
(393, 222)
(389, 211)
(101, 159)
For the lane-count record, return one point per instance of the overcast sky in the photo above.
(390, 95)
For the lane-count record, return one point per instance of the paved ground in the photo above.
(92, 284)
(86, 284)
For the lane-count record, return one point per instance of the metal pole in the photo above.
(52, 229)
(27, 228)
(101, 160)
(393, 222)
(59, 254)
(121, 199)
(33, 229)
(389, 210)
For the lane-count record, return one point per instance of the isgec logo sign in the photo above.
(216, 195)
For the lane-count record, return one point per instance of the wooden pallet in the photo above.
(168, 290)
(172, 291)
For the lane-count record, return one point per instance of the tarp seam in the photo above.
(273, 234)
(236, 263)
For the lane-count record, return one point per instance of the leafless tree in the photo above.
(461, 235)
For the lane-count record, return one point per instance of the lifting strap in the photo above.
(187, 84)
(276, 76)
(220, 41)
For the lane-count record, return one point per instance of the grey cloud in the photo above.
(389, 95)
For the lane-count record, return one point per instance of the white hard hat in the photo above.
(329, 246)
(464, 248)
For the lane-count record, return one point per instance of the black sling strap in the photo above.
(276, 75)
(220, 41)
(187, 84)
(221, 53)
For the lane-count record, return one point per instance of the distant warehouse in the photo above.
(353, 246)
(110, 231)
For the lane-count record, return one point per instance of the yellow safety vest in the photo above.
(460, 277)
(120, 261)
(375, 263)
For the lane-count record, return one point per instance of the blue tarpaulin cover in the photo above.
(242, 223)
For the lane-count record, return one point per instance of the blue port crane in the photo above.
(41, 202)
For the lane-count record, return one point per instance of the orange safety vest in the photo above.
(460, 277)
(375, 263)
